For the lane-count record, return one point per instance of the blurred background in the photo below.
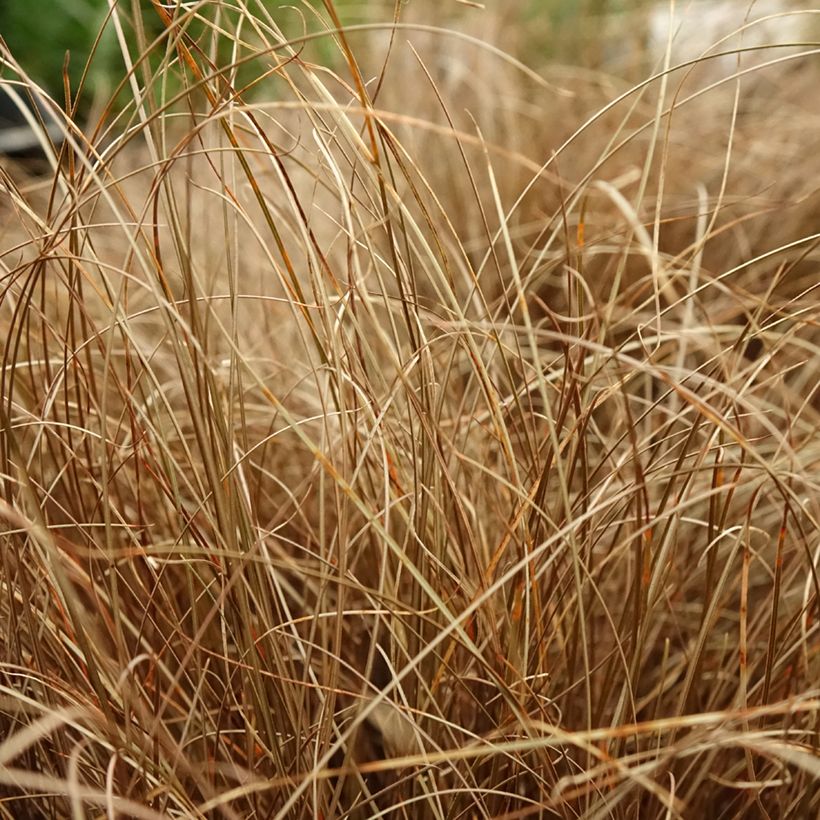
(49, 39)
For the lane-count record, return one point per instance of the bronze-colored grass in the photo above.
(394, 424)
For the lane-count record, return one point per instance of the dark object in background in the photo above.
(17, 137)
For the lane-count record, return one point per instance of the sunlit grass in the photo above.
(396, 424)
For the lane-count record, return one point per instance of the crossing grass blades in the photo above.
(398, 423)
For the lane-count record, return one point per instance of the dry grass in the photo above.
(416, 433)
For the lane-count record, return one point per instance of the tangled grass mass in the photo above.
(405, 414)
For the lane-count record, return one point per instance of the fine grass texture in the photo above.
(400, 419)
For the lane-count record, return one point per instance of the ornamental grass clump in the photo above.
(400, 420)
